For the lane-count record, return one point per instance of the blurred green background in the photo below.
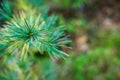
(93, 26)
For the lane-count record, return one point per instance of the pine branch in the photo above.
(26, 31)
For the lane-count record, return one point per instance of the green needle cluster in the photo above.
(31, 31)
